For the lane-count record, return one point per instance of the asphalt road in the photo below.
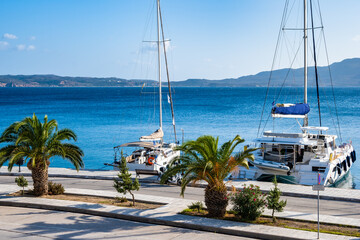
(34, 224)
(296, 204)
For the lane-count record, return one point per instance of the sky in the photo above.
(208, 39)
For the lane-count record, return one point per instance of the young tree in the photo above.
(21, 182)
(273, 200)
(124, 183)
(37, 142)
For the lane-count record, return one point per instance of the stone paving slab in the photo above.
(175, 205)
(165, 216)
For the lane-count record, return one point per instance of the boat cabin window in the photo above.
(278, 152)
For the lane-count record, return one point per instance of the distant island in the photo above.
(344, 74)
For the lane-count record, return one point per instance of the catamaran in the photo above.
(152, 154)
(309, 156)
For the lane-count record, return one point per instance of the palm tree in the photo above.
(203, 160)
(37, 142)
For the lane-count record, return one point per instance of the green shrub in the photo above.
(123, 183)
(121, 199)
(55, 188)
(273, 200)
(196, 205)
(249, 203)
(21, 182)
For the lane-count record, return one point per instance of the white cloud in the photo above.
(356, 38)
(32, 38)
(168, 46)
(3, 45)
(21, 47)
(9, 36)
(31, 47)
(152, 46)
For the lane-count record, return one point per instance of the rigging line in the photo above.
(289, 56)
(286, 13)
(330, 75)
(167, 74)
(273, 64)
(330, 111)
(287, 74)
(292, 72)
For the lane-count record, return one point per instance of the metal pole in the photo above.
(159, 61)
(182, 139)
(167, 74)
(305, 60)
(318, 207)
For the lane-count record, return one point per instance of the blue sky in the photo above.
(104, 38)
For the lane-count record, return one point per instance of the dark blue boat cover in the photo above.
(297, 109)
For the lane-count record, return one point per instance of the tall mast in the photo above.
(159, 61)
(168, 77)
(306, 120)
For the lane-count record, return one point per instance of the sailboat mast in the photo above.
(159, 62)
(306, 120)
(168, 77)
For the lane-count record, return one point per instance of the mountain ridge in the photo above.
(345, 73)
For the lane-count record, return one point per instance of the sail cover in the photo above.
(157, 135)
(298, 109)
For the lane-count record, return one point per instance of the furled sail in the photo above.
(157, 135)
(288, 110)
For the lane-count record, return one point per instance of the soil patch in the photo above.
(287, 223)
(93, 199)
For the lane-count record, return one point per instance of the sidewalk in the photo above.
(287, 189)
(167, 215)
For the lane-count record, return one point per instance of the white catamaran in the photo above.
(152, 155)
(308, 157)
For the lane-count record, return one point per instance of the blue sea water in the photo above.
(106, 117)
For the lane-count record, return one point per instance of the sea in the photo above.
(104, 118)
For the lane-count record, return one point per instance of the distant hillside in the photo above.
(58, 81)
(344, 74)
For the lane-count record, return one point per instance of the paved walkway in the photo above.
(287, 189)
(38, 224)
(167, 214)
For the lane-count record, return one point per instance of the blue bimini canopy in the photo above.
(291, 109)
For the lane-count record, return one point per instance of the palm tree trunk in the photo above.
(40, 178)
(216, 201)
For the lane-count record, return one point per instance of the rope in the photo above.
(315, 62)
(273, 64)
(330, 75)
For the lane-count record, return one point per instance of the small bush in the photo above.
(121, 199)
(55, 188)
(196, 205)
(273, 200)
(249, 203)
(123, 183)
(21, 182)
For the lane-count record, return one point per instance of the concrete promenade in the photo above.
(167, 214)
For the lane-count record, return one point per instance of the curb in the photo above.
(192, 226)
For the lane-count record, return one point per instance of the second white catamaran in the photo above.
(310, 156)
